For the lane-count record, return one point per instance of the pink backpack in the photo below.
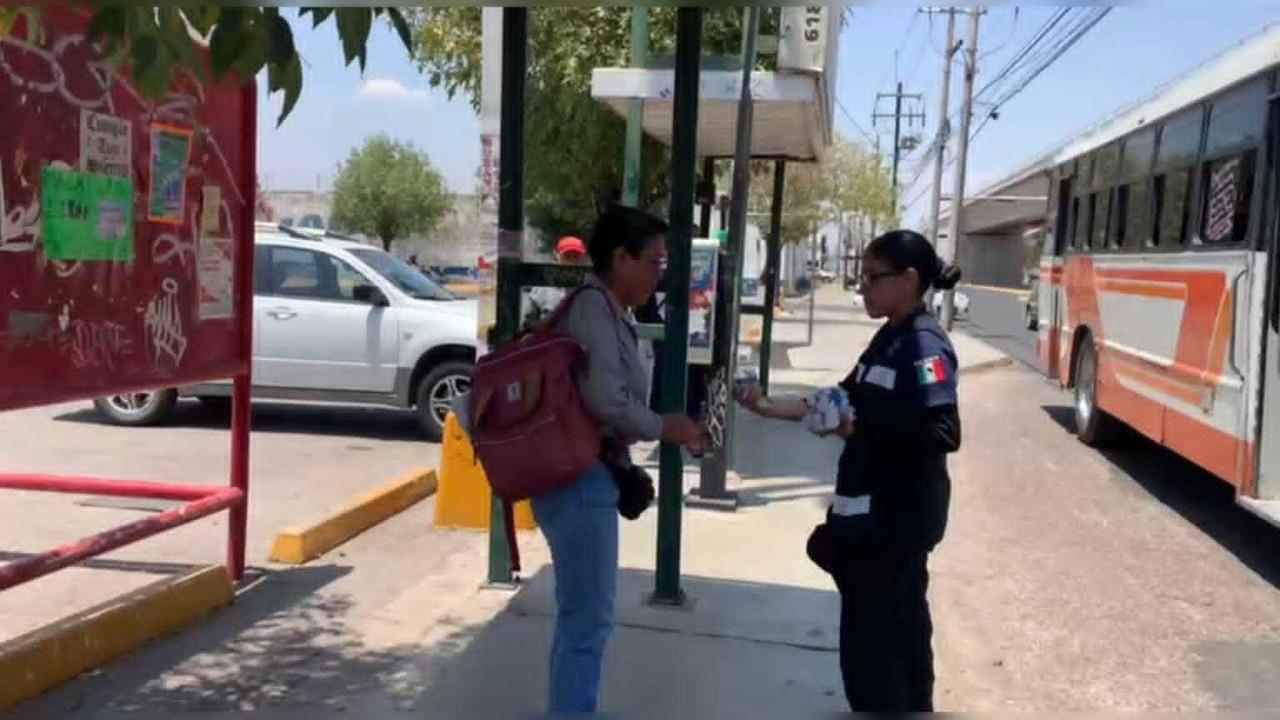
(529, 427)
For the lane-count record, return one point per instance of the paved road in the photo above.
(997, 317)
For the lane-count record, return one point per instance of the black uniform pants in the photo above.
(886, 633)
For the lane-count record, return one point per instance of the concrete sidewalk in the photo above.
(395, 622)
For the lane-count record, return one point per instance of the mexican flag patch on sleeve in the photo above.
(930, 370)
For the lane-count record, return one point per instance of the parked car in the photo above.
(339, 321)
(1031, 309)
(960, 304)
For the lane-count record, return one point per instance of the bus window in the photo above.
(1224, 212)
(1171, 206)
(1119, 217)
(1078, 231)
(1180, 139)
(1062, 226)
(1236, 119)
(1135, 217)
(1100, 203)
(1138, 153)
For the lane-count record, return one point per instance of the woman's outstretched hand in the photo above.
(750, 397)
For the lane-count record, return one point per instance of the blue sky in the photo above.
(1133, 50)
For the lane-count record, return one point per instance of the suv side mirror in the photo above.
(370, 294)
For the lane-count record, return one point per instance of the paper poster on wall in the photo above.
(216, 271)
(170, 152)
(85, 216)
(106, 145)
(211, 209)
(704, 263)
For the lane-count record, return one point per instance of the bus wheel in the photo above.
(1093, 426)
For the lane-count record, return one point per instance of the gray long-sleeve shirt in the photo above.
(615, 384)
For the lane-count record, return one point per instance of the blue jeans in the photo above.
(580, 523)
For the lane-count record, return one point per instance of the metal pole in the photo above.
(708, 179)
(684, 147)
(813, 277)
(897, 138)
(635, 129)
(773, 260)
(944, 128)
(515, 33)
(712, 486)
(241, 419)
(962, 153)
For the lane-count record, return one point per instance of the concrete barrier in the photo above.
(43, 658)
(464, 498)
(297, 545)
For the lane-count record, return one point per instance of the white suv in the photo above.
(339, 321)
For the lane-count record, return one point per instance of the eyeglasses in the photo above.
(868, 279)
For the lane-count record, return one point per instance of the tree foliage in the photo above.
(848, 179)
(575, 146)
(155, 41)
(389, 190)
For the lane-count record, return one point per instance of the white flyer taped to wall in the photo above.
(216, 269)
(106, 144)
(211, 209)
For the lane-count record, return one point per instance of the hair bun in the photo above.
(948, 276)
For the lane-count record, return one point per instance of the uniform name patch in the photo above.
(885, 377)
(931, 371)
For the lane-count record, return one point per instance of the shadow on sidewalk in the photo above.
(740, 650)
(1197, 495)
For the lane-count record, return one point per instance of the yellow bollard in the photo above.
(463, 496)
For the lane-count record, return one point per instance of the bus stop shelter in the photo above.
(780, 115)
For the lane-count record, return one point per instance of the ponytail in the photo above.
(907, 249)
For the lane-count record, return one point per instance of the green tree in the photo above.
(848, 178)
(154, 42)
(389, 190)
(575, 145)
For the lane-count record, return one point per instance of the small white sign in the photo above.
(106, 144)
(802, 44)
(216, 271)
(211, 209)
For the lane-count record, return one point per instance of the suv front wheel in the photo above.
(436, 393)
(141, 408)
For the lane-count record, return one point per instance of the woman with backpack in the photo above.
(580, 521)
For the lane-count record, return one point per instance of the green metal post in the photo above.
(635, 129)
(773, 259)
(712, 489)
(515, 33)
(684, 147)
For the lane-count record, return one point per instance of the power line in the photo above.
(1043, 59)
(857, 126)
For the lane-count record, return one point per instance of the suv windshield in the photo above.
(404, 276)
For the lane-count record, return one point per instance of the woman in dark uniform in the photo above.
(892, 487)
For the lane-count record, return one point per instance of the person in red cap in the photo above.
(570, 250)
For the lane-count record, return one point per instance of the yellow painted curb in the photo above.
(465, 497)
(37, 661)
(297, 545)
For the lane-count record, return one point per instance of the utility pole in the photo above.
(962, 156)
(944, 125)
(911, 116)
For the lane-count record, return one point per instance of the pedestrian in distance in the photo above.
(892, 485)
(627, 251)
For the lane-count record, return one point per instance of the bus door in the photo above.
(1268, 473)
(1051, 293)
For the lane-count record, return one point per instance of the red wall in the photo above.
(79, 328)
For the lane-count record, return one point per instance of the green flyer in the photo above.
(85, 216)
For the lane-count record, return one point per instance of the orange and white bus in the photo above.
(1158, 296)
